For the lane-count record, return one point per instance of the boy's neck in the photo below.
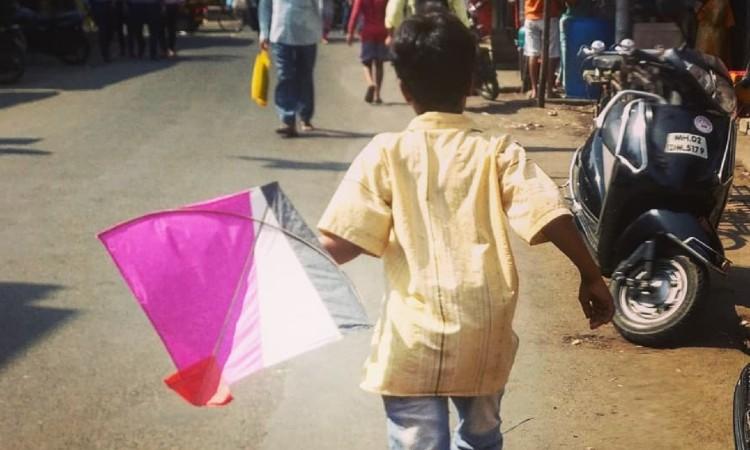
(450, 110)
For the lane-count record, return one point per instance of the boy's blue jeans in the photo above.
(422, 423)
(295, 92)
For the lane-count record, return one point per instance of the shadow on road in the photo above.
(504, 107)
(208, 58)
(720, 326)
(13, 146)
(47, 73)
(16, 98)
(208, 39)
(734, 229)
(23, 151)
(287, 164)
(336, 134)
(23, 323)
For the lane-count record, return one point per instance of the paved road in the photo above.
(80, 366)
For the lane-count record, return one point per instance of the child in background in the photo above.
(374, 51)
(436, 202)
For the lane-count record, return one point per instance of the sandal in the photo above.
(370, 94)
(307, 126)
(287, 131)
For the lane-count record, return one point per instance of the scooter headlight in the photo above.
(725, 96)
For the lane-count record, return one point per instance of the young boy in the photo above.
(435, 202)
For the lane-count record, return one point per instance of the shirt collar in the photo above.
(434, 120)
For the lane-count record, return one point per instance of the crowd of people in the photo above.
(126, 20)
(297, 27)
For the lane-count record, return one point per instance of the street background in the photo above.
(83, 148)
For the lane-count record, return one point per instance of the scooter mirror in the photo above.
(598, 46)
(626, 46)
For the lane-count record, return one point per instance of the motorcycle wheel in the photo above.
(74, 48)
(489, 89)
(662, 316)
(12, 64)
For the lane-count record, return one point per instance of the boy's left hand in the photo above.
(349, 38)
(596, 301)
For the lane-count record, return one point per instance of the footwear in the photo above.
(370, 94)
(378, 101)
(307, 126)
(287, 131)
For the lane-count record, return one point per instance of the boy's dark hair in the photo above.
(428, 6)
(434, 56)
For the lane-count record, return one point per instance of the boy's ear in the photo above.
(405, 92)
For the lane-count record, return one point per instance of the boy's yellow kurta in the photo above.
(433, 202)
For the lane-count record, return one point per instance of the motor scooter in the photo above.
(60, 35)
(649, 186)
(480, 17)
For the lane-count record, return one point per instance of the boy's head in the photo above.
(434, 56)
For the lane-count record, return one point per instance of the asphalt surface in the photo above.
(83, 148)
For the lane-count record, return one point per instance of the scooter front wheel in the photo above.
(659, 314)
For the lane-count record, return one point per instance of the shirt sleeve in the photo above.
(459, 9)
(394, 13)
(531, 200)
(360, 210)
(354, 17)
(265, 8)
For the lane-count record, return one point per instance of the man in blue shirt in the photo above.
(291, 30)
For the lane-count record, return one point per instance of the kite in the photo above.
(232, 286)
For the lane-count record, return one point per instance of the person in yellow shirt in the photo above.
(396, 10)
(435, 202)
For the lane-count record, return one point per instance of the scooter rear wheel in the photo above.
(661, 315)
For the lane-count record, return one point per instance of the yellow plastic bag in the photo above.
(259, 81)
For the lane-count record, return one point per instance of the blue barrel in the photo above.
(574, 33)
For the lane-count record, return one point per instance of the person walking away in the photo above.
(119, 22)
(346, 11)
(149, 13)
(435, 203)
(103, 12)
(374, 51)
(715, 20)
(534, 29)
(172, 7)
(328, 13)
(291, 29)
(397, 10)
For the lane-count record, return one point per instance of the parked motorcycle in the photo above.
(480, 17)
(12, 53)
(191, 15)
(650, 184)
(60, 35)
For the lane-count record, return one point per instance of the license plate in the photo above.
(687, 144)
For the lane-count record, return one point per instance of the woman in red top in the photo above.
(374, 51)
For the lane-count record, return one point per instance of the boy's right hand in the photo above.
(596, 301)
(349, 38)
